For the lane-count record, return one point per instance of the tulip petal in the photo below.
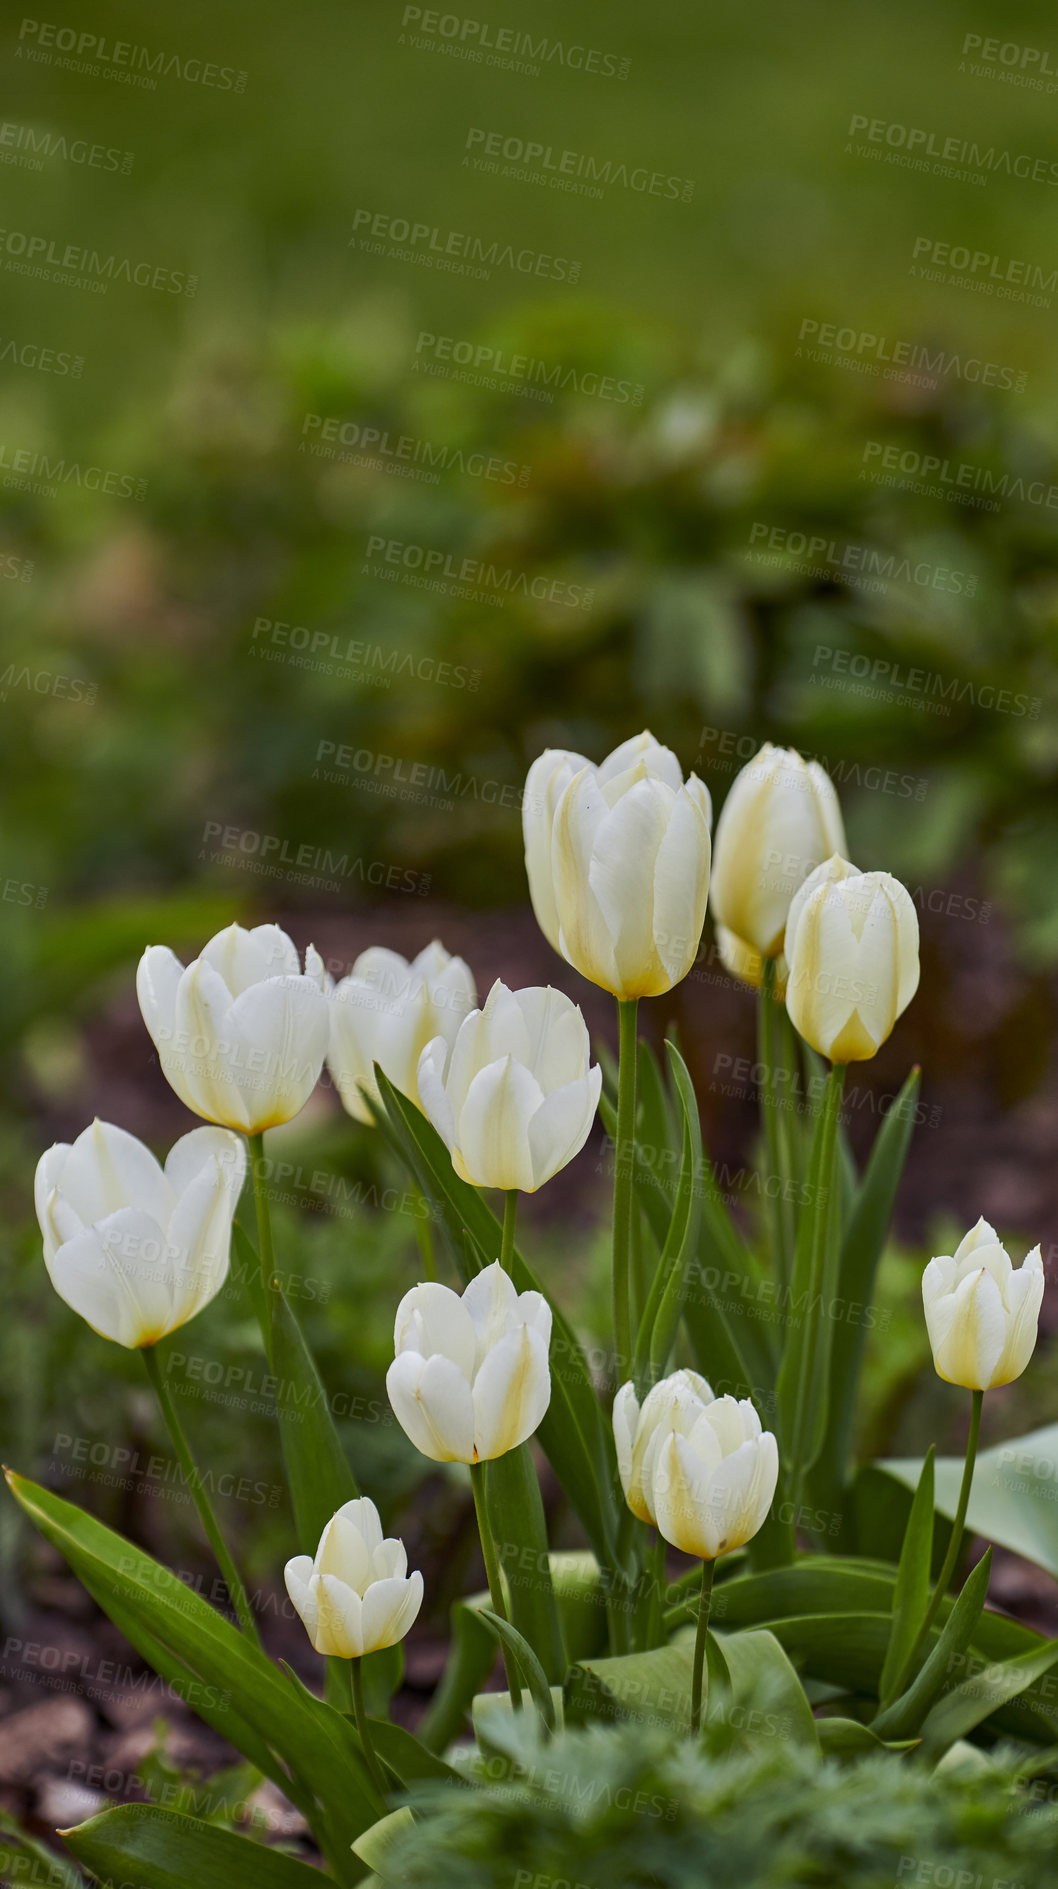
(430, 1319)
(297, 1576)
(116, 1275)
(158, 977)
(362, 1515)
(196, 1057)
(492, 1302)
(621, 876)
(389, 1609)
(279, 1032)
(546, 782)
(585, 940)
(562, 1125)
(433, 1097)
(344, 1552)
(107, 1168)
(243, 958)
(682, 1499)
(511, 1393)
(432, 1402)
(339, 1629)
(681, 885)
(493, 1128)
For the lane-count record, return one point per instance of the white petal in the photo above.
(390, 1608)
(492, 1147)
(512, 1391)
(432, 1403)
(431, 1318)
(562, 1125)
(339, 1629)
(158, 977)
(106, 1168)
(279, 1032)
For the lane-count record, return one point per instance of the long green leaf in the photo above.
(976, 1698)
(803, 1381)
(911, 1593)
(528, 1664)
(905, 1716)
(1012, 1496)
(574, 1436)
(661, 1315)
(163, 1849)
(516, 1512)
(471, 1657)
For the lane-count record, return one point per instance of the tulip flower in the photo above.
(470, 1379)
(134, 1248)
(981, 1312)
(780, 820)
(241, 1032)
(674, 1404)
(712, 1486)
(852, 952)
(618, 863)
(514, 1095)
(356, 1596)
(385, 1012)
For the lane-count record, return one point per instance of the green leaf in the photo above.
(911, 1593)
(471, 1657)
(969, 1704)
(848, 1738)
(654, 1687)
(802, 1385)
(904, 1717)
(661, 1315)
(1012, 1497)
(576, 1439)
(516, 1512)
(528, 1665)
(408, 1757)
(162, 1849)
(374, 1846)
(580, 1595)
(767, 1698)
(247, 1272)
(52, 1870)
(861, 1251)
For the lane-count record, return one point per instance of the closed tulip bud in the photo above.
(676, 1403)
(357, 1595)
(779, 822)
(745, 963)
(471, 1379)
(135, 1248)
(713, 1487)
(514, 1095)
(852, 952)
(981, 1314)
(241, 1033)
(385, 1012)
(618, 863)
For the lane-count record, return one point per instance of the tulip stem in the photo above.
(264, 1232)
(510, 1211)
(356, 1688)
(424, 1235)
(699, 1681)
(624, 1174)
(492, 1574)
(776, 1124)
(194, 1482)
(954, 1545)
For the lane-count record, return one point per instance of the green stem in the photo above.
(356, 1687)
(492, 1574)
(264, 1232)
(225, 1563)
(776, 1121)
(624, 1170)
(424, 1235)
(510, 1212)
(954, 1545)
(699, 1684)
(821, 1210)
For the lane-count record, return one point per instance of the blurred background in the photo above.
(387, 394)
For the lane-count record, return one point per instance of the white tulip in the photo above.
(514, 1096)
(471, 1379)
(386, 1011)
(357, 1595)
(136, 1249)
(713, 1488)
(618, 863)
(852, 952)
(676, 1403)
(241, 1033)
(981, 1314)
(780, 820)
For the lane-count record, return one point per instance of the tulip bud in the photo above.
(981, 1315)
(385, 1012)
(852, 951)
(676, 1403)
(713, 1488)
(241, 1033)
(357, 1595)
(514, 1096)
(780, 820)
(618, 863)
(747, 964)
(136, 1249)
(471, 1379)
